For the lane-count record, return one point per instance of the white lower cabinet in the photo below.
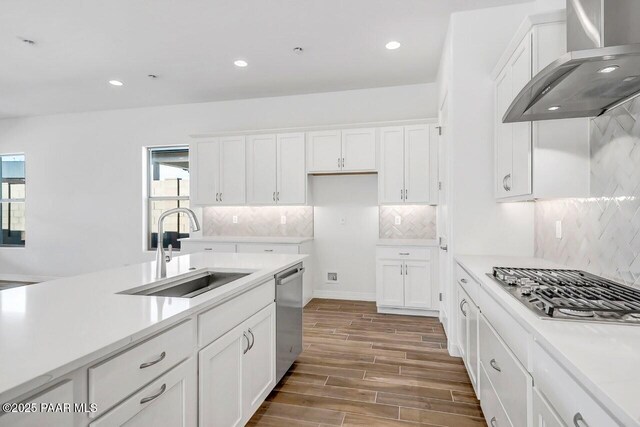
(60, 393)
(543, 414)
(237, 371)
(170, 400)
(405, 279)
(493, 410)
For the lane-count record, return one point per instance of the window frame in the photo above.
(17, 200)
(149, 198)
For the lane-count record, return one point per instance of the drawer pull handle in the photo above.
(253, 339)
(208, 249)
(404, 253)
(268, 250)
(494, 365)
(578, 421)
(463, 280)
(494, 422)
(244, 334)
(153, 362)
(155, 396)
(462, 303)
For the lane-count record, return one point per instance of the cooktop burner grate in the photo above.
(571, 292)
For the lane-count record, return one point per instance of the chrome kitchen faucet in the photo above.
(161, 258)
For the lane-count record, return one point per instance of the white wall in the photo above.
(346, 231)
(84, 171)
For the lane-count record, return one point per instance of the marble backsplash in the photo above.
(601, 234)
(263, 221)
(417, 222)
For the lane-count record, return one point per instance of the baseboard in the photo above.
(408, 311)
(26, 278)
(453, 350)
(349, 296)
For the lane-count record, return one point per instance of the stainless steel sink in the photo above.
(191, 286)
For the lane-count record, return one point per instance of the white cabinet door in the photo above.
(324, 151)
(462, 322)
(504, 135)
(220, 380)
(232, 170)
(543, 414)
(259, 364)
(205, 163)
(390, 286)
(391, 175)
(417, 284)
(170, 400)
(472, 341)
(292, 174)
(417, 164)
(522, 138)
(359, 150)
(60, 393)
(261, 169)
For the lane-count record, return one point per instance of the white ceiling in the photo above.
(191, 46)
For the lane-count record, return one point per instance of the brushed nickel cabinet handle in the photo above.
(401, 270)
(494, 365)
(401, 194)
(404, 253)
(244, 351)
(462, 303)
(338, 162)
(463, 280)
(343, 162)
(153, 362)
(506, 186)
(274, 196)
(253, 339)
(578, 421)
(155, 396)
(494, 422)
(406, 270)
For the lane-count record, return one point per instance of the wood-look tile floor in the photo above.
(360, 368)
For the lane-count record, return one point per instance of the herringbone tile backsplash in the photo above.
(601, 234)
(263, 221)
(418, 222)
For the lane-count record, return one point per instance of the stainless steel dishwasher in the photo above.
(288, 318)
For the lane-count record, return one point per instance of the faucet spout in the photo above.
(161, 260)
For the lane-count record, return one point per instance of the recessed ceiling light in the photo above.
(115, 82)
(392, 45)
(554, 108)
(240, 63)
(608, 69)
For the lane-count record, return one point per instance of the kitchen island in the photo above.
(80, 341)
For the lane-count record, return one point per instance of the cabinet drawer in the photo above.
(565, 395)
(491, 407)
(506, 326)
(117, 377)
(404, 253)
(467, 282)
(191, 247)
(511, 382)
(267, 248)
(170, 400)
(216, 322)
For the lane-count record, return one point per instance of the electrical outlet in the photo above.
(398, 220)
(332, 277)
(558, 229)
(283, 219)
(235, 219)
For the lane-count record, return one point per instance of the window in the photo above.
(168, 188)
(12, 200)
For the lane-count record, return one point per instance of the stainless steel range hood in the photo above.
(600, 71)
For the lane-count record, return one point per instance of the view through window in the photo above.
(12, 200)
(168, 189)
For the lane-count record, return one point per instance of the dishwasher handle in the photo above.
(291, 277)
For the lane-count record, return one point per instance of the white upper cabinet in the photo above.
(537, 160)
(276, 169)
(408, 165)
(359, 150)
(261, 169)
(292, 175)
(218, 170)
(324, 151)
(335, 151)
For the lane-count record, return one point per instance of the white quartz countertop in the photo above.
(407, 242)
(52, 328)
(605, 358)
(249, 239)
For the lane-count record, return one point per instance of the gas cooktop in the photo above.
(570, 294)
